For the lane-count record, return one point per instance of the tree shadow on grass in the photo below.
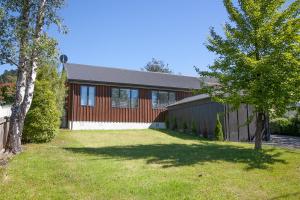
(175, 155)
(183, 136)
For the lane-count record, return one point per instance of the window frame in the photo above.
(159, 106)
(130, 98)
(87, 97)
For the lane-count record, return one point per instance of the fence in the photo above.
(203, 113)
(5, 112)
(4, 125)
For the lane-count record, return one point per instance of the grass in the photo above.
(149, 164)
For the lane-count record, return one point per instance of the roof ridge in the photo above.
(119, 68)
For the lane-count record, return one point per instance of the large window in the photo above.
(124, 98)
(87, 95)
(161, 99)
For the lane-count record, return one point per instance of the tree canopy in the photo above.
(9, 76)
(258, 57)
(157, 66)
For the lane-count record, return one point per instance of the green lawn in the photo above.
(149, 164)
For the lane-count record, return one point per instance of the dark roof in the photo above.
(78, 72)
(190, 99)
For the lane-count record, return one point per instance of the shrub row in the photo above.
(286, 126)
(191, 127)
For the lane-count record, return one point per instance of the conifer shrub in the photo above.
(43, 118)
(174, 124)
(219, 130)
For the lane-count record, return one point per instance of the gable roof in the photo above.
(78, 72)
(190, 99)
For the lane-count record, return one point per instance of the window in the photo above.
(134, 100)
(87, 95)
(172, 97)
(124, 98)
(161, 99)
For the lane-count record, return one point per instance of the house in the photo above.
(113, 98)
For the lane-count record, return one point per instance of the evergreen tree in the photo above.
(258, 58)
(44, 116)
(42, 119)
(219, 135)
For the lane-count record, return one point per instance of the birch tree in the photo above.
(258, 58)
(25, 43)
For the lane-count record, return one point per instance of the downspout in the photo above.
(72, 107)
(225, 122)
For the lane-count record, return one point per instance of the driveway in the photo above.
(285, 141)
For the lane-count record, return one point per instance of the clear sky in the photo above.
(129, 33)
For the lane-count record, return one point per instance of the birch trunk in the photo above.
(32, 68)
(13, 143)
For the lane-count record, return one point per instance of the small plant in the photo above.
(219, 130)
(167, 122)
(184, 126)
(174, 124)
(194, 128)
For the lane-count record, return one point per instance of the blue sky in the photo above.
(128, 33)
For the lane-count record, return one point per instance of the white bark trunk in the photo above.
(13, 143)
(32, 68)
(25, 82)
(14, 136)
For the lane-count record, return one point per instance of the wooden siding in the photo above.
(104, 112)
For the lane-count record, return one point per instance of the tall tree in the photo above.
(9, 76)
(24, 43)
(157, 66)
(258, 58)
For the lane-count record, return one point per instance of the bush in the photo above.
(279, 125)
(219, 130)
(167, 122)
(174, 124)
(43, 118)
(194, 127)
(285, 126)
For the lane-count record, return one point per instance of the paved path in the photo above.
(284, 141)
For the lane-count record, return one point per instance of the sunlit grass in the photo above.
(149, 164)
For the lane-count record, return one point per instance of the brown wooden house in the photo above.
(112, 98)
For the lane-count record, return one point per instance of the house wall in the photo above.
(104, 112)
